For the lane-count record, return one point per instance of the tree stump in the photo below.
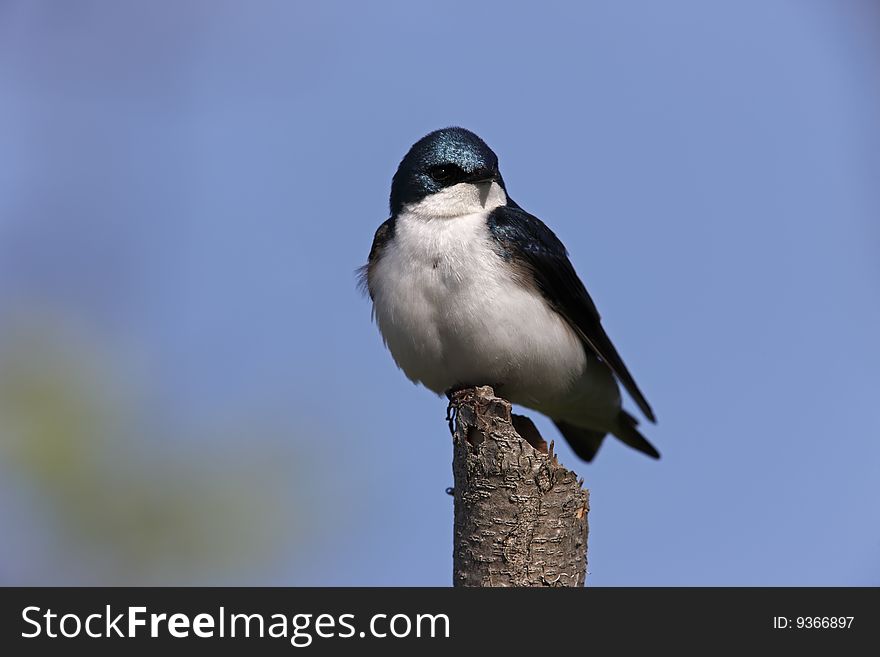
(520, 517)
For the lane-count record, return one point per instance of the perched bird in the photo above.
(470, 289)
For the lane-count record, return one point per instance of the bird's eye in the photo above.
(444, 172)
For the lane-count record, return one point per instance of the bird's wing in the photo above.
(528, 242)
(383, 234)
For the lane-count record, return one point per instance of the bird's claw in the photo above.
(453, 394)
(451, 411)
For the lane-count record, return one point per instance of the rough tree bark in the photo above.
(520, 517)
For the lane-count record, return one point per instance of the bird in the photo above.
(469, 289)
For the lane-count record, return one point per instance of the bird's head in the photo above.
(447, 173)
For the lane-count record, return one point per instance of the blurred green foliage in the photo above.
(103, 487)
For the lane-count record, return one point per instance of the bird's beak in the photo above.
(483, 179)
(482, 175)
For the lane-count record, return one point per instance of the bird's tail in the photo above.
(586, 442)
(627, 432)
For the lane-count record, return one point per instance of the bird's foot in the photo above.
(455, 395)
(451, 410)
(457, 390)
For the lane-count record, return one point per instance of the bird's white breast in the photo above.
(452, 313)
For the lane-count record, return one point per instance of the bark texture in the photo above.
(520, 517)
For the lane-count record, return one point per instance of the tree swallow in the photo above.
(470, 289)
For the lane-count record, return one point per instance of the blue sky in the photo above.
(189, 191)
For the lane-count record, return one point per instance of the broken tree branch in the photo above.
(520, 517)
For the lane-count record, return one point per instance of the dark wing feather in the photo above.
(383, 234)
(525, 239)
